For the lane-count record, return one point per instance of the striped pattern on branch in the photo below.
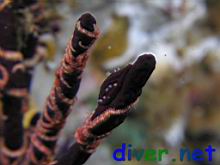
(117, 95)
(63, 93)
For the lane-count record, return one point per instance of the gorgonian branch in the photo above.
(118, 92)
(14, 83)
(63, 93)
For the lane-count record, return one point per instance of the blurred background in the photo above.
(180, 105)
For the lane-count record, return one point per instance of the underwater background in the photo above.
(179, 106)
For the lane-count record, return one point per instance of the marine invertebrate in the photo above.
(116, 97)
(118, 92)
(15, 82)
(18, 59)
(64, 91)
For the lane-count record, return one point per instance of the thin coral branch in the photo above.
(63, 93)
(118, 92)
(17, 45)
(13, 148)
(17, 60)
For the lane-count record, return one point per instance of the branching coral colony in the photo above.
(118, 92)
